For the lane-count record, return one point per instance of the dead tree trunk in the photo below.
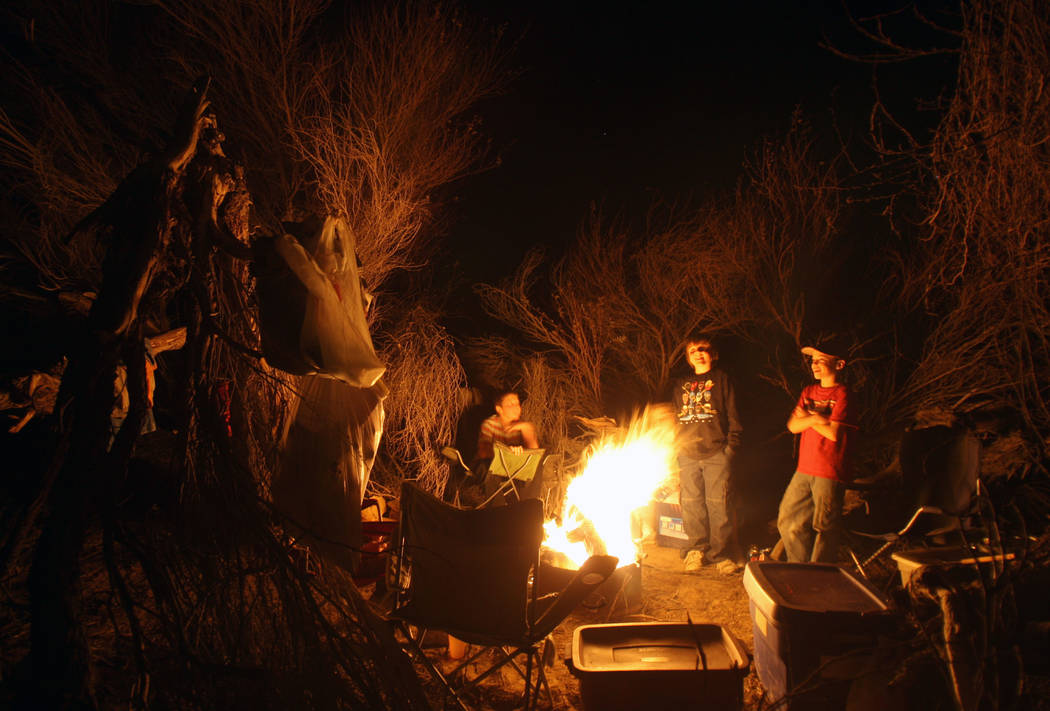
(82, 474)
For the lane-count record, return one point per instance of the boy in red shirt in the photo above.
(810, 513)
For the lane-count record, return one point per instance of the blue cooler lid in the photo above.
(782, 590)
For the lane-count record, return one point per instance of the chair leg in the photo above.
(508, 658)
(414, 647)
(547, 687)
(536, 658)
(528, 678)
(531, 696)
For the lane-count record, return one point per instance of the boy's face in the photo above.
(509, 409)
(700, 356)
(825, 366)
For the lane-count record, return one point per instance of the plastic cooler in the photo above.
(814, 625)
(658, 665)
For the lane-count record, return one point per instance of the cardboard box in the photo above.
(671, 529)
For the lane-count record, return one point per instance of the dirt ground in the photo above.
(670, 595)
(667, 595)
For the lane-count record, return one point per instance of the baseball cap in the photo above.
(828, 346)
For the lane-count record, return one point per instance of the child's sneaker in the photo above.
(728, 566)
(694, 561)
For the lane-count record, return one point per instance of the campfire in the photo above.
(621, 473)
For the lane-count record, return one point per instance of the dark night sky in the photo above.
(622, 101)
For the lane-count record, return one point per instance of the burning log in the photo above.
(622, 471)
(587, 534)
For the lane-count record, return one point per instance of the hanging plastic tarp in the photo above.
(312, 306)
(326, 457)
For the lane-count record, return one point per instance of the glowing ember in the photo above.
(621, 473)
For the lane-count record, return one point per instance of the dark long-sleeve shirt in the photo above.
(705, 408)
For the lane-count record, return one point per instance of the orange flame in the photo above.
(621, 473)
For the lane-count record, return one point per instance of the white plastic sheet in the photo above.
(334, 339)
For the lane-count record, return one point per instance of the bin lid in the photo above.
(783, 589)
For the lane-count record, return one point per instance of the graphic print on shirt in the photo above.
(819, 407)
(695, 401)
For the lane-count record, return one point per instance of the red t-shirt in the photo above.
(818, 455)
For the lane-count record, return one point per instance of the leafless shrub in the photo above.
(424, 376)
(263, 57)
(578, 337)
(65, 167)
(57, 139)
(496, 361)
(380, 142)
(547, 405)
(368, 125)
(230, 600)
(620, 304)
(978, 274)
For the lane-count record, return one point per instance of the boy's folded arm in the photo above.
(799, 421)
(829, 429)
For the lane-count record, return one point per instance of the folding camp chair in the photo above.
(472, 573)
(515, 474)
(459, 475)
(939, 468)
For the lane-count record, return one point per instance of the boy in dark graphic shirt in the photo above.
(704, 407)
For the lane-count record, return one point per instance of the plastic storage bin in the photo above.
(814, 626)
(658, 665)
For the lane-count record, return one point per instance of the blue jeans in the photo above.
(810, 519)
(705, 504)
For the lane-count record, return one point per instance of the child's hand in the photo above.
(663, 414)
(528, 433)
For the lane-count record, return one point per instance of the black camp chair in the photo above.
(472, 573)
(933, 496)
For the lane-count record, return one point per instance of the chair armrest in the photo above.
(894, 536)
(594, 571)
(881, 481)
(452, 454)
(934, 510)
